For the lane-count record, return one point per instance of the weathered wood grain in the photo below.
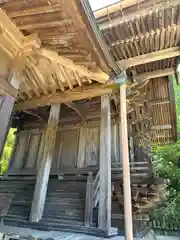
(75, 94)
(6, 106)
(45, 165)
(104, 217)
(53, 56)
(69, 149)
(115, 145)
(19, 156)
(92, 147)
(154, 74)
(81, 148)
(137, 14)
(89, 201)
(32, 152)
(149, 57)
(125, 161)
(55, 165)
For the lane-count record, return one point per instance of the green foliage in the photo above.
(7, 150)
(166, 161)
(177, 97)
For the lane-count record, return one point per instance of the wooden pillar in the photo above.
(104, 218)
(49, 137)
(6, 107)
(177, 74)
(126, 168)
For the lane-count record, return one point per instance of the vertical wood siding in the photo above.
(32, 152)
(92, 147)
(69, 149)
(20, 151)
(75, 148)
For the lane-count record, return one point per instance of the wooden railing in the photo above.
(92, 197)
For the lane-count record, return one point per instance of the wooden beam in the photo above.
(157, 102)
(99, 76)
(35, 11)
(6, 106)
(7, 88)
(13, 41)
(126, 168)
(89, 91)
(113, 22)
(149, 57)
(104, 216)
(163, 127)
(7, 102)
(141, 216)
(50, 24)
(154, 74)
(46, 155)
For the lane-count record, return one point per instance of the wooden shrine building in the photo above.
(88, 94)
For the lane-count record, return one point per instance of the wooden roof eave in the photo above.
(14, 47)
(98, 36)
(56, 20)
(110, 23)
(68, 63)
(102, 12)
(38, 79)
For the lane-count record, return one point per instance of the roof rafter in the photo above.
(37, 10)
(137, 14)
(141, 36)
(115, 7)
(99, 76)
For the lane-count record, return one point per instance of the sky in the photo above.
(96, 4)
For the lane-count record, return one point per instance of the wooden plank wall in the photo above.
(76, 147)
(25, 152)
(162, 112)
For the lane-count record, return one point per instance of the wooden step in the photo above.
(62, 220)
(42, 225)
(64, 212)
